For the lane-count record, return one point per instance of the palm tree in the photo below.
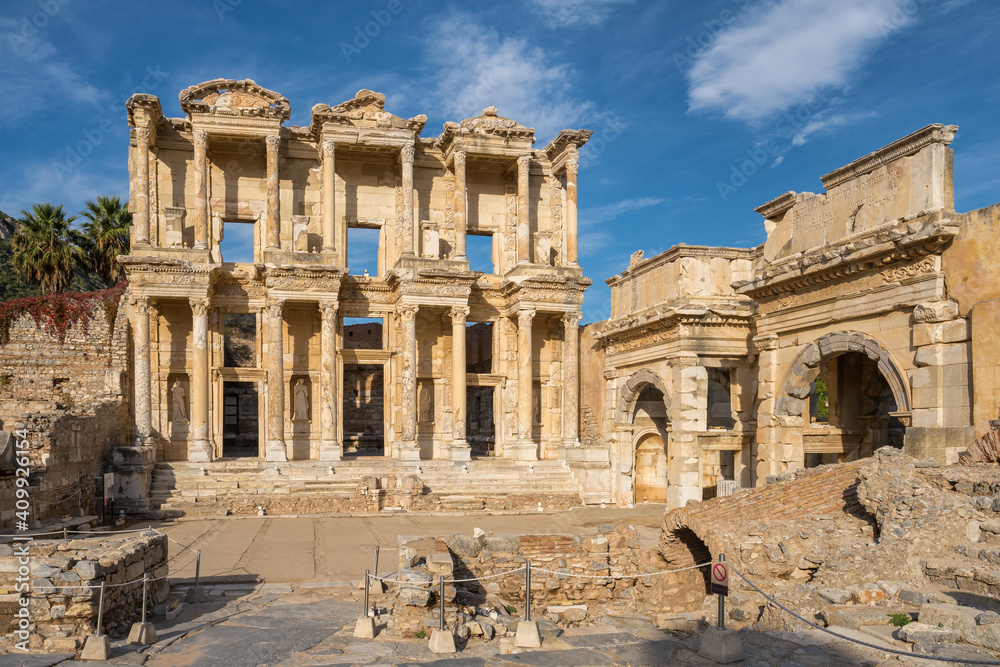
(106, 235)
(47, 247)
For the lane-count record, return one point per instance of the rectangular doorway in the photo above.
(240, 422)
(480, 426)
(364, 409)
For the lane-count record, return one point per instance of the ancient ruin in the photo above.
(292, 382)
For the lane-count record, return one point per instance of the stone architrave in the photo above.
(275, 449)
(329, 195)
(461, 204)
(201, 447)
(409, 449)
(143, 384)
(140, 189)
(523, 218)
(572, 169)
(460, 450)
(406, 154)
(330, 448)
(273, 221)
(199, 216)
(571, 380)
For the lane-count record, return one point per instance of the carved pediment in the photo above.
(234, 98)
(365, 109)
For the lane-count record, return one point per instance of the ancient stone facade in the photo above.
(223, 348)
(866, 319)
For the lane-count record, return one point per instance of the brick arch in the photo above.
(797, 385)
(625, 412)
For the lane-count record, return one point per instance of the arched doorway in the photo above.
(851, 396)
(650, 469)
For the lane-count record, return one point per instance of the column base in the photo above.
(572, 443)
(200, 451)
(330, 451)
(408, 451)
(275, 451)
(460, 451)
(521, 450)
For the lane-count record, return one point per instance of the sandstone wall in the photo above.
(974, 254)
(73, 399)
(63, 612)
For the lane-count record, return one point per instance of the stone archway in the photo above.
(796, 386)
(625, 412)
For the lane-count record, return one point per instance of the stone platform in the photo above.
(369, 484)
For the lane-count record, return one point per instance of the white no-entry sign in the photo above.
(720, 579)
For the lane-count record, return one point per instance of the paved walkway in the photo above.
(340, 548)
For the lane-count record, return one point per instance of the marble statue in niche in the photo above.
(300, 400)
(178, 402)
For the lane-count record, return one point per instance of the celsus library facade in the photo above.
(867, 318)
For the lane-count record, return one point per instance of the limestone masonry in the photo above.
(867, 318)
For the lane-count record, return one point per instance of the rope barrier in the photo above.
(126, 583)
(619, 576)
(908, 654)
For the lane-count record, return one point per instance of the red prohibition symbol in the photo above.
(719, 572)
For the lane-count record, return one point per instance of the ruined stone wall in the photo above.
(973, 254)
(364, 404)
(72, 398)
(64, 613)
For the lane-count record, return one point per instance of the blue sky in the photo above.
(677, 93)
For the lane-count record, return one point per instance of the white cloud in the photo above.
(476, 68)
(607, 212)
(33, 77)
(575, 13)
(825, 124)
(783, 53)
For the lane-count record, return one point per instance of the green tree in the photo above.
(47, 248)
(106, 235)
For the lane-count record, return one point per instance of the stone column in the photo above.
(689, 408)
(140, 187)
(200, 448)
(460, 450)
(523, 221)
(406, 156)
(200, 213)
(525, 449)
(329, 196)
(275, 448)
(409, 449)
(571, 380)
(273, 228)
(143, 385)
(330, 448)
(769, 433)
(572, 168)
(461, 204)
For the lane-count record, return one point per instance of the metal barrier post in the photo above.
(65, 533)
(197, 567)
(527, 591)
(145, 578)
(100, 611)
(722, 601)
(441, 600)
(376, 560)
(367, 584)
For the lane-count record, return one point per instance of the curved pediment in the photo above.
(234, 98)
(365, 109)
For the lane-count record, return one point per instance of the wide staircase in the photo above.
(212, 489)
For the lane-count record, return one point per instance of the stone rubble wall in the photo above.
(63, 616)
(73, 399)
